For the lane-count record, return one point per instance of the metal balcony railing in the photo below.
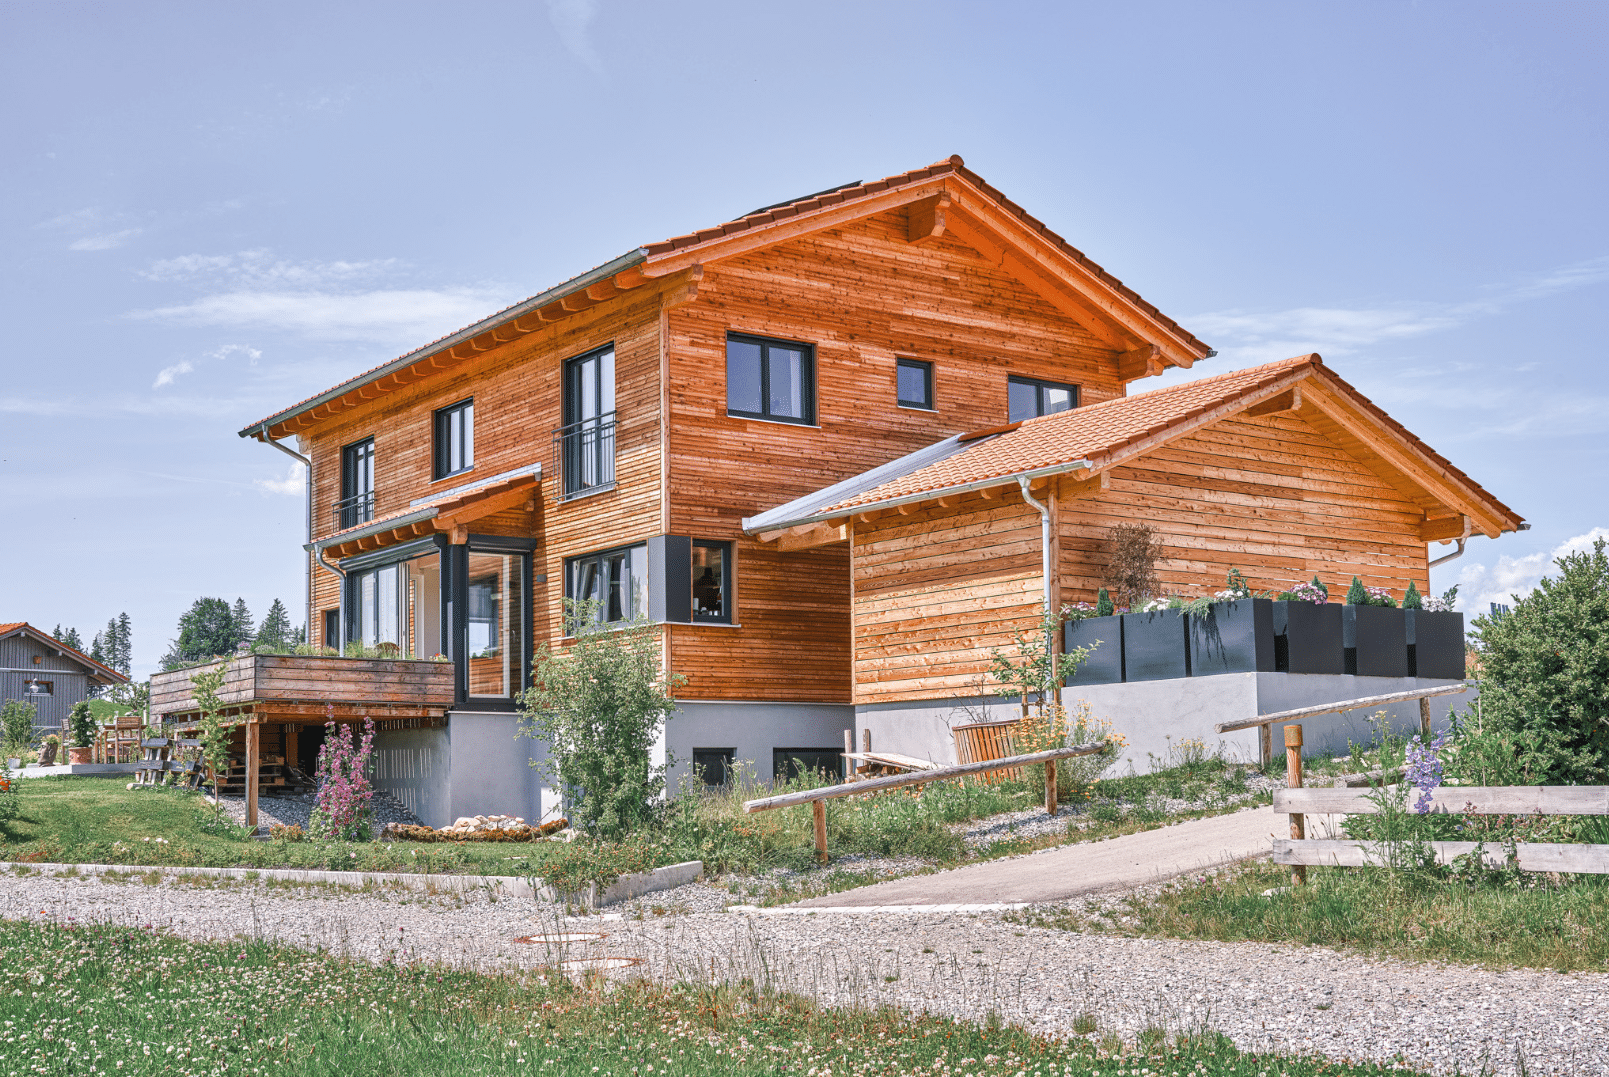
(585, 453)
(354, 510)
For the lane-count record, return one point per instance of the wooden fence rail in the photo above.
(817, 798)
(1528, 856)
(1451, 799)
(1264, 722)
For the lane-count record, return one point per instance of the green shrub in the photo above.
(1545, 675)
(17, 726)
(81, 724)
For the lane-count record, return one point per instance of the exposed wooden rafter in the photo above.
(1289, 400)
(925, 220)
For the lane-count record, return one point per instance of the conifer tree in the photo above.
(57, 636)
(275, 631)
(1356, 595)
(73, 639)
(244, 632)
(97, 649)
(1320, 585)
(1411, 599)
(125, 644)
(1103, 604)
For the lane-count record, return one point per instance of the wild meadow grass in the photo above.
(1503, 920)
(103, 1000)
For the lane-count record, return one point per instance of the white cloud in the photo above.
(167, 374)
(293, 484)
(260, 269)
(389, 315)
(106, 241)
(571, 18)
(1480, 585)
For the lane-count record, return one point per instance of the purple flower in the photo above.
(1423, 771)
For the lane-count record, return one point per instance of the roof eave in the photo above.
(391, 524)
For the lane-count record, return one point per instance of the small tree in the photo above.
(1545, 670)
(17, 726)
(241, 617)
(81, 725)
(1356, 595)
(216, 733)
(1411, 599)
(599, 705)
(275, 631)
(1132, 551)
(206, 629)
(1103, 604)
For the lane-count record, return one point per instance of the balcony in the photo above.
(354, 510)
(585, 454)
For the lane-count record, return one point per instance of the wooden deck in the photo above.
(303, 688)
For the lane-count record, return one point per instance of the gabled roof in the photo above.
(96, 669)
(1100, 436)
(952, 196)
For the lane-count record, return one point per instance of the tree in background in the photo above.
(1544, 684)
(275, 631)
(243, 622)
(206, 629)
(70, 637)
(1132, 551)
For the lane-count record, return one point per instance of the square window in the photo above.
(788, 764)
(1029, 398)
(915, 384)
(712, 581)
(770, 379)
(455, 439)
(713, 766)
(613, 584)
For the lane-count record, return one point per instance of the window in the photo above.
(587, 439)
(915, 384)
(713, 766)
(1028, 398)
(455, 439)
(712, 581)
(770, 379)
(332, 628)
(394, 609)
(496, 623)
(615, 582)
(357, 484)
(788, 763)
(32, 688)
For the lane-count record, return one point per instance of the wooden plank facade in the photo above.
(30, 657)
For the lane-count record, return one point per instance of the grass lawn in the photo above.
(76, 1000)
(1502, 921)
(98, 820)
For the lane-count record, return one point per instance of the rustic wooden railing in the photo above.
(817, 798)
(1527, 800)
(1264, 722)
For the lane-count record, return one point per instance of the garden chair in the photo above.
(154, 766)
(123, 736)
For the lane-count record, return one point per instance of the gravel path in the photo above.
(294, 809)
(1440, 1018)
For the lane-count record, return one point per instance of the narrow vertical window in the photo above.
(357, 484)
(455, 439)
(915, 384)
(770, 379)
(712, 581)
(586, 442)
(1028, 398)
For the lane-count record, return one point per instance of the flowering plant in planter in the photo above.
(1305, 592)
(1445, 604)
(342, 810)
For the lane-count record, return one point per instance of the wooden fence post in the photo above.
(1293, 778)
(818, 808)
(849, 746)
(253, 764)
(1424, 721)
(1265, 743)
(1050, 788)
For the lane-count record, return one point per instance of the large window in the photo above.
(357, 484)
(586, 442)
(614, 583)
(770, 379)
(1028, 398)
(712, 581)
(455, 439)
(495, 638)
(915, 384)
(394, 609)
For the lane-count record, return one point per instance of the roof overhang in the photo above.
(96, 672)
(450, 512)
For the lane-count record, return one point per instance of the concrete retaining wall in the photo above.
(753, 730)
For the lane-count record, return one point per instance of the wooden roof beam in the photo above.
(819, 535)
(925, 220)
(1072, 487)
(1289, 400)
(602, 290)
(1140, 362)
(1444, 529)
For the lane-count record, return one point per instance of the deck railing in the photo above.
(585, 453)
(354, 510)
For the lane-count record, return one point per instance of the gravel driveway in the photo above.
(1437, 1017)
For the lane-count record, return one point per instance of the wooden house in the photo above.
(625, 436)
(37, 668)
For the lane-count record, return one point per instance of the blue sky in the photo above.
(212, 211)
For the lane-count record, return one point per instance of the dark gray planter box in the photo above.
(1156, 646)
(1378, 635)
(1233, 637)
(1435, 644)
(1105, 662)
(1308, 636)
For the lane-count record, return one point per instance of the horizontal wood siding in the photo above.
(937, 591)
(864, 297)
(1267, 495)
(309, 679)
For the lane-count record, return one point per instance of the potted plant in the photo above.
(1156, 641)
(1434, 634)
(47, 755)
(1373, 632)
(1099, 629)
(1307, 631)
(81, 727)
(1234, 633)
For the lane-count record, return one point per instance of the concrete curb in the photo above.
(789, 910)
(64, 770)
(505, 886)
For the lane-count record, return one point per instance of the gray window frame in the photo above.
(807, 382)
(926, 367)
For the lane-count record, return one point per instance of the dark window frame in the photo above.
(356, 505)
(728, 590)
(587, 439)
(1039, 385)
(926, 367)
(699, 767)
(47, 688)
(332, 629)
(441, 424)
(782, 761)
(807, 383)
(573, 567)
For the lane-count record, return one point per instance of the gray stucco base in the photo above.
(477, 766)
(1156, 715)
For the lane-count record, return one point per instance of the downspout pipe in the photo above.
(262, 435)
(1044, 561)
(1456, 554)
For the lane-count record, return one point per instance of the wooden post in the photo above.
(253, 764)
(865, 740)
(1424, 720)
(1050, 788)
(818, 808)
(1265, 742)
(1293, 778)
(849, 746)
